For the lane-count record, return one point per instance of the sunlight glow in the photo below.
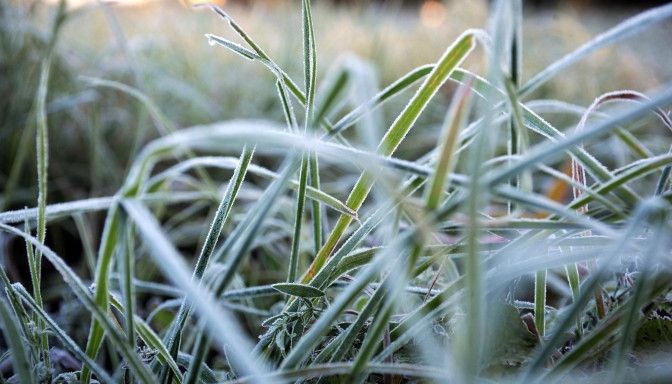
(432, 13)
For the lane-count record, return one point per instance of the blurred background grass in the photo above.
(160, 48)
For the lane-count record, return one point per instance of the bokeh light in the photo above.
(432, 13)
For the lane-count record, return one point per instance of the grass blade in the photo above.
(108, 244)
(445, 164)
(623, 30)
(298, 290)
(42, 149)
(238, 250)
(293, 268)
(216, 227)
(13, 336)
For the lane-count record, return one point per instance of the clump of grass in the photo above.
(409, 270)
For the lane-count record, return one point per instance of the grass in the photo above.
(358, 233)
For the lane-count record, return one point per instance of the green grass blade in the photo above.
(237, 48)
(309, 83)
(335, 86)
(126, 253)
(309, 58)
(453, 56)
(445, 164)
(380, 98)
(298, 290)
(519, 136)
(287, 107)
(15, 303)
(517, 131)
(373, 337)
(540, 302)
(108, 244)
(316, 209)
(574, 281)
(42, 150)
(16, 343)
(293, 268)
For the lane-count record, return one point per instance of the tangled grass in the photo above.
(506, 251)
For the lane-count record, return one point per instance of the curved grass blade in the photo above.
(316, 209)
(623, 30)
(549, 150)
(163, 125)
(231, 163)
(58, 210)
(542, 127)
(309, 58)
